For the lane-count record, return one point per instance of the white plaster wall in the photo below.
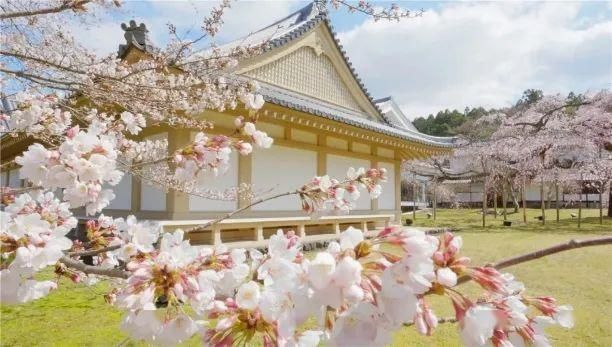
(224, 181)
(153, 198)
(13, 180)
(532, 193)
(337, 166)
(465, 197)
(283, 169)
(123, 194)
(386, 200)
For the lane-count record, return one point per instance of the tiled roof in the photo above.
(295, 26)
(300, 102)
(394, 114)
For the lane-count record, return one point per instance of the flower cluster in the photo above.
(80, 166)
(358, 290)
(258, 137)
(32, 237)
(36, 115)
(325, 193)
(207, 157)
(126, 238)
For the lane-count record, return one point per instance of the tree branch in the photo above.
(66, 5)
(93, 270)
(566, 246)
(544, 119)
(94, 252)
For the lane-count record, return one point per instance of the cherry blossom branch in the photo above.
(562, 247)
(76, 5)
(94, 252)
(544, 119)
(93, 270)
(244, 208)
(392, 13)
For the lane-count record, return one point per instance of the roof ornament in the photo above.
(321, 6)
(136, 35)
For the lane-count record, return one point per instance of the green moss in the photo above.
(76, 315)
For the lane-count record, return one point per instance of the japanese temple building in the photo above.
(323, 121)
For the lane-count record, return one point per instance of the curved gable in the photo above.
(304, 71)
(313, 66)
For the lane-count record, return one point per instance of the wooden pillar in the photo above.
(435, 201)
(259, 236)
(321, 156)
(374, 202)
(136, 187)
(414, 196)
(336, 228)
(177, 202)
(398, 192)
(364, 226)
(301, 230)
(245, 176)
(216, 235)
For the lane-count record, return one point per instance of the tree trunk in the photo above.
(610, 201)
(580, 203)
(524, 202)
(504, 195)
(495, 204)
(515, 199)
(601, 205)
(484, 204)
(557, 199)
(470, 204)
(542, 201)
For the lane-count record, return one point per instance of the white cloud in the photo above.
(482, 54)
(104, 34)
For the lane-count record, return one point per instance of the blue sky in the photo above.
(458, 54)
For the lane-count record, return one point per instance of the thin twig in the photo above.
(230, 214)
(440, 321)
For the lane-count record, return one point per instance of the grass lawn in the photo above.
(76, 315)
